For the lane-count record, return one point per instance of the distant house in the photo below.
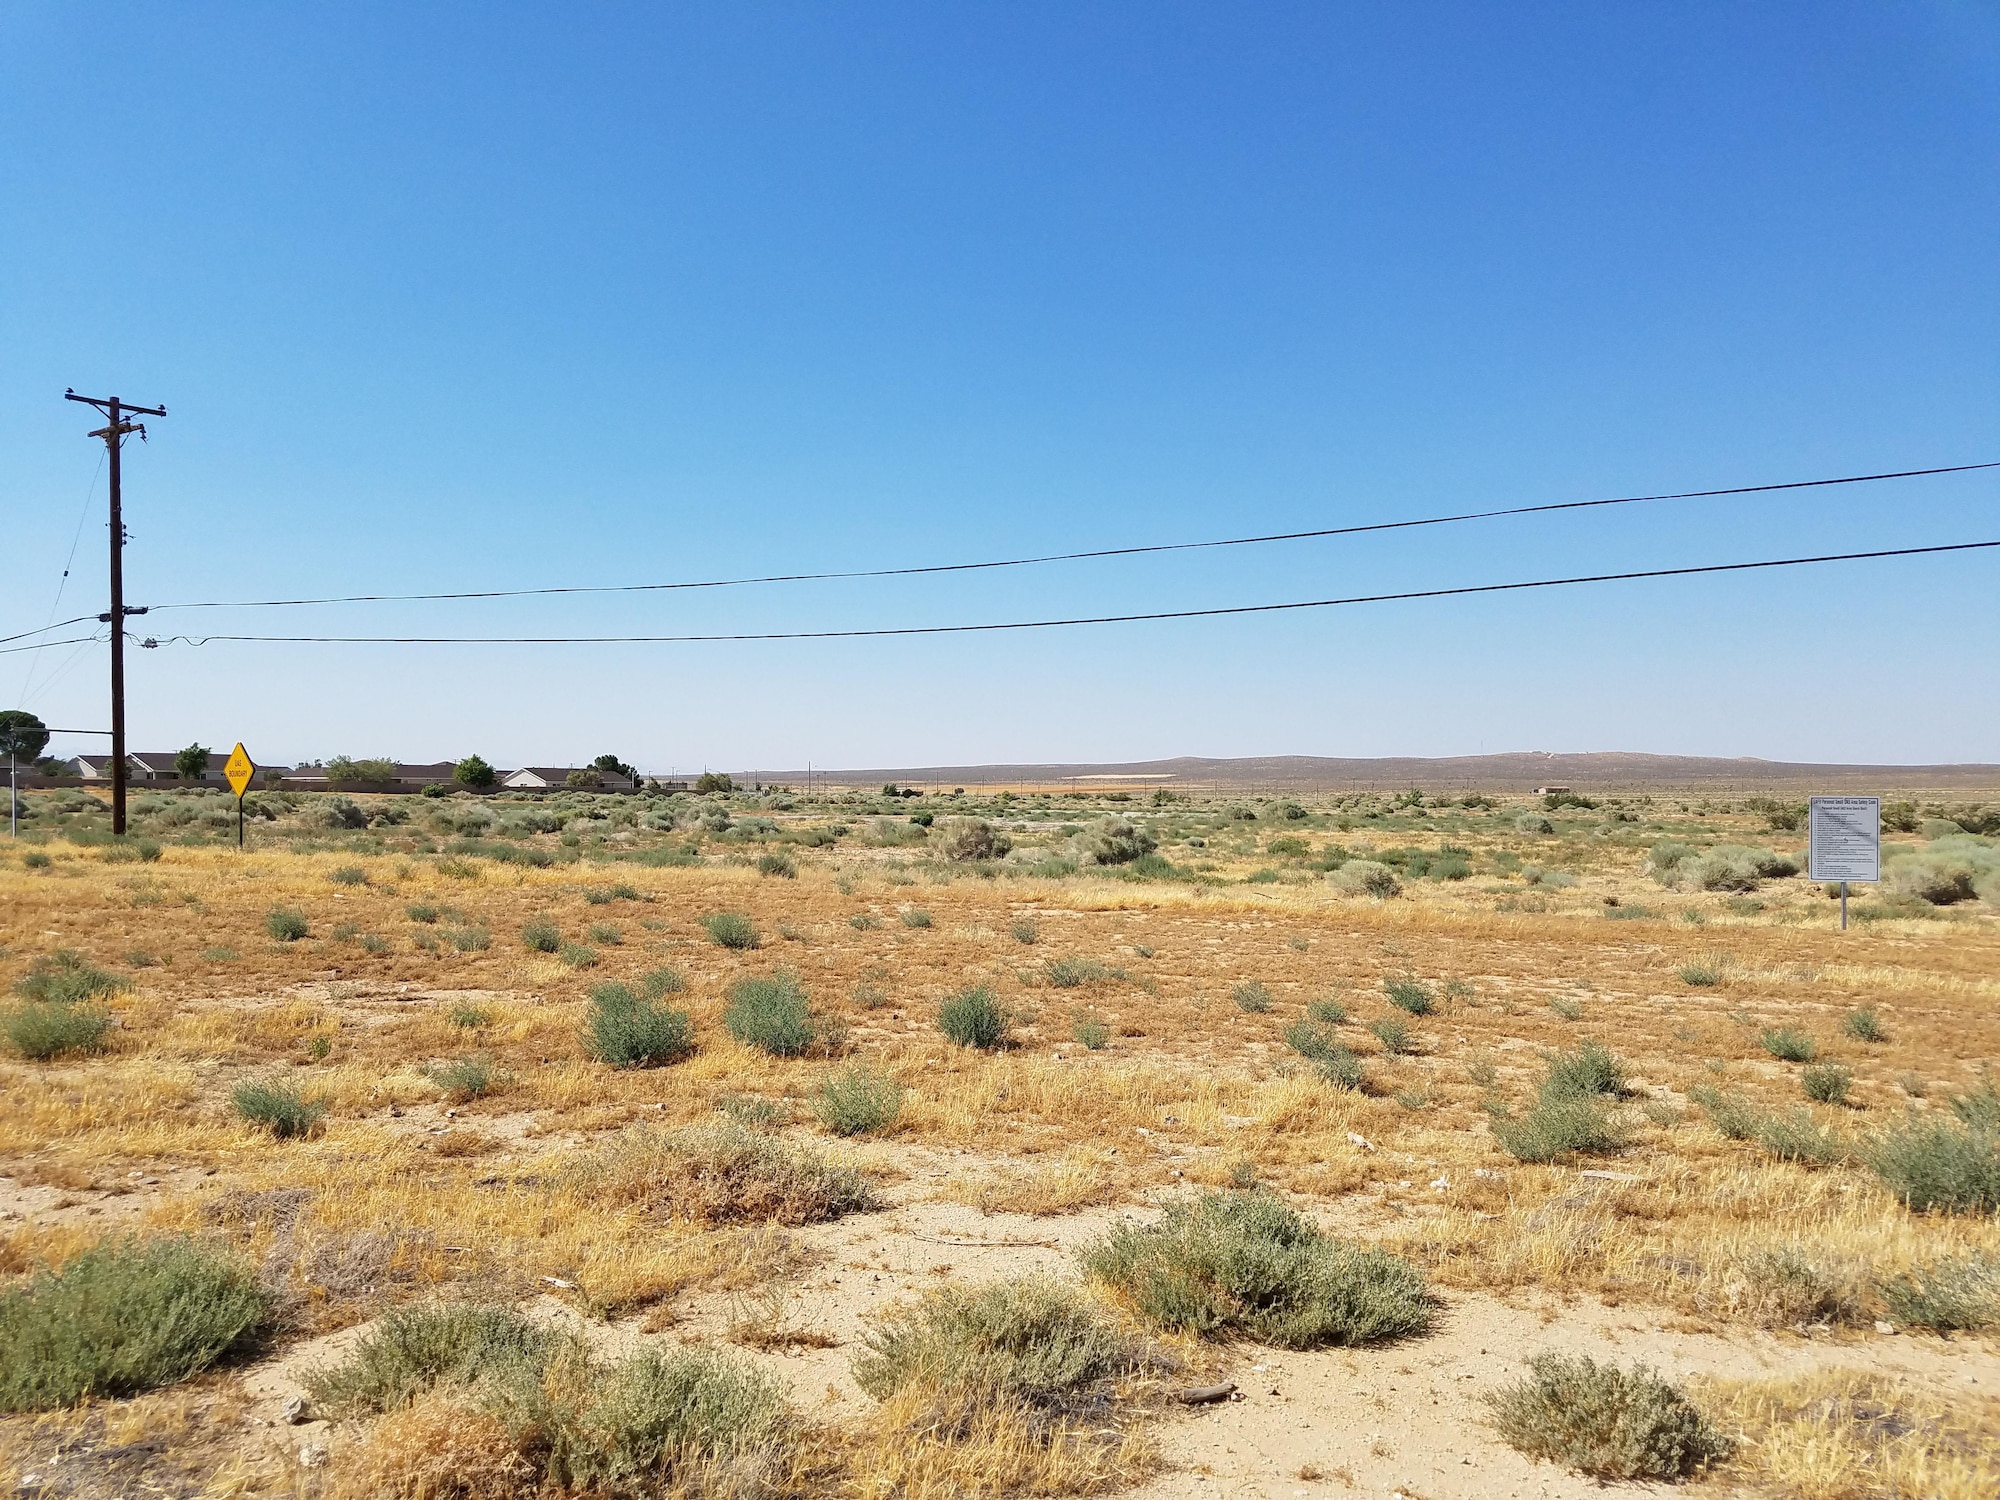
(556, 779)
(436, 773)
(1553, 791)
(149, 765)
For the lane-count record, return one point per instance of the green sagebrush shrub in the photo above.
(278, 1107)
(122, 1317)
(632, 1030)
(1604, 1421)
(1031, 1340)
(1246, 1262)
(772, 1014)
(973, 1018)
(859, 1101)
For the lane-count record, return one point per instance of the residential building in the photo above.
(556, 779)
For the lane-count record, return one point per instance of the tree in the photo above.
(22, 737)
(474, 772)
(192, 763)
(710, 782)
(589, 779)
(345, 771)
(611, 765)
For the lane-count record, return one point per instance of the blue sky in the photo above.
(486, 296)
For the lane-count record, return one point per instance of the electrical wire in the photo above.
(67, 641)
(1023, 562)
(82, 515)
(1168, 614)
(44, 630)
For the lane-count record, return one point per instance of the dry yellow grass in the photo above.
(1082, 1178)
(917, 1449)
(402, 1193)
(435, 1449)
(1847, 1435)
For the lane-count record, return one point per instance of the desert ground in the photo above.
(669, 1079)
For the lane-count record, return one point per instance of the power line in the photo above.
(1023, 562)
(53, 625)
(62, 583)
(1169, 614)
(66, 641)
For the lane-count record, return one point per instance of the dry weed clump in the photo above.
(1837, 1434)
(1032, 1341)
(1083, 1177)
(436, 1448)
(724, 1173)
(967, 1446)
(1012, 1387)
(686, 1421)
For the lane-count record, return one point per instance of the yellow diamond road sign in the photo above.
(239, 769)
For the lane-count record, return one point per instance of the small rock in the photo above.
(1360, 1142)
(294, 1410)
(313, 1456)
(1881, 1327)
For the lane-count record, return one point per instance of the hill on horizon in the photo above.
(1513, 771)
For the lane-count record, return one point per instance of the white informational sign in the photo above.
(1844, 838)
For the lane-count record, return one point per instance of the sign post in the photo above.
(239, 768)
(1844, 842)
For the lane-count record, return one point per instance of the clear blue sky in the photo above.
(492, 296)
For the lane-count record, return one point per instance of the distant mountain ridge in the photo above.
(1515, 771)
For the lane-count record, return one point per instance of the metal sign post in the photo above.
(239, 768)
(1844, 842)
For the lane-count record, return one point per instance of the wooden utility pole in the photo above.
(114, 431)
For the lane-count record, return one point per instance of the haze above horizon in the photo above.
(618, 295)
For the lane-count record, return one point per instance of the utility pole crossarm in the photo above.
(105, 403)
